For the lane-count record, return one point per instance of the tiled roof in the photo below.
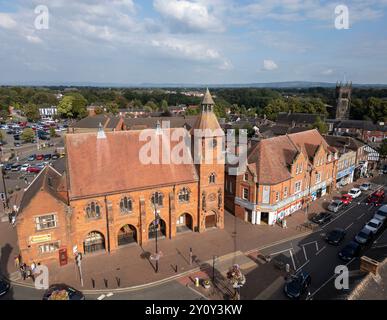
(112, 164)
(298, 118)
(92, 122)
(207, 99)
(151, 122)
(274, 156)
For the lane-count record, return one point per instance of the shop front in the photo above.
(345, 177)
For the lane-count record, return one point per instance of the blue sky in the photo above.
(192, 41)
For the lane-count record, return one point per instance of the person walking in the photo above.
(23, 271)
(17, 262)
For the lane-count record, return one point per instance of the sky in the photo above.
(191, 41)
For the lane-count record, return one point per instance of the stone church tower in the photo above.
(210, 166)
(343, 100)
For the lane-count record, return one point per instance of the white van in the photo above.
(381, 214)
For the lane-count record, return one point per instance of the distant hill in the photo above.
(272, 85)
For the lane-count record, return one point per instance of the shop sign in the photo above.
(40, 238)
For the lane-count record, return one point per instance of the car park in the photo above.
(335, 236)
(381, 214)
(335, 206)
(322, 217)
(350, 251)
(365, 186)
(354, 193)
(346, 199)
(298, 285)
(365, 236)
(374, 225)
(62, 292)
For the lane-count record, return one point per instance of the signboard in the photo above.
(75, 249)
(40, 238)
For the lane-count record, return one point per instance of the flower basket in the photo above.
(59, 295)
(236, 277)
(206, 284)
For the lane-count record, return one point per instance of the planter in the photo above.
(206, 284)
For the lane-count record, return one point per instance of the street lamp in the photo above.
(156, 226)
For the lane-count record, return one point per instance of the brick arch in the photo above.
(97, 247)
(191, 218)
(118, 229)
(211, 218)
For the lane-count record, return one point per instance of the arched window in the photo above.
(184, 195)
(157, 199)
(126, 205)
(212, 178)
(93, 210)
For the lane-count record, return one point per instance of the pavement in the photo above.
(240, 242)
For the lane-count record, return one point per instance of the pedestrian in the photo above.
(10, 217)
(284, 224)
(17, 262)
(23, 271)
(13, 220)
(33, 267)
(25, 180)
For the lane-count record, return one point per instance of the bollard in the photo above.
(197, 284)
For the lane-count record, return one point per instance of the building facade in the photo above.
(283, 174)
(117, 190)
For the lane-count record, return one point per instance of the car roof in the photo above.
(383, 208)
(365, 230)
(354, 189)
(336, 201)
(352, 244)
(374, 221)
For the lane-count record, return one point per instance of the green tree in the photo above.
(320, 125)
(112, 107)
(28, 135)
(65, 107)
(164, 105)
(31, 111)
(151, 104)
(52, 132)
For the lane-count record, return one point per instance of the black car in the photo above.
(350, 251)
(63, 290)
(32, 157)
(322, 217)
(335, 236)
(16, 137)
(8, 166)
(47, 157)
(17, 144)
(4, 287)
(298, 285)
(44, 137)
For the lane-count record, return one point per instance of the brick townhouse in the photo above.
(107, 198)
(283, 173)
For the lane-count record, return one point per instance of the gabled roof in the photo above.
(48, 180)
(113, 164)
(151, 122)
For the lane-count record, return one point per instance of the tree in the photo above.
(112, 107)
(31, 111)
(151, 104)
(52, 132)
(28, 135)
(320, 125)
(383, 148)
(65, 107)
(164, 105)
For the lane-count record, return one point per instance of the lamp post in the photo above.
(156, 225)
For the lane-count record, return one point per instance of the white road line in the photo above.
(349, 226)
(305, 244)
(102, 296)
(275, 253)
(316, 246)
(303, 248)
(294, 264)
(359, 217)
(303, 265)
(109, 294)
(319, 251)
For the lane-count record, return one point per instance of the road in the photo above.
(313, 254)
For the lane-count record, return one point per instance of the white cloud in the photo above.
(269, 65)
(6, 21)
(192, 16)
(327, 72)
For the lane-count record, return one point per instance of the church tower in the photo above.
(208, 139)
(343, 100)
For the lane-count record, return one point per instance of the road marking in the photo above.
(275, 253)
(325, 283)
(197, 292)
(303, 265)
(109, 294)
(359, 217)
(294, 264)
(102, 296)
(303, 248)
(349, 226)
(322, 249)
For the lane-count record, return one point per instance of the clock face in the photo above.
(212, 197)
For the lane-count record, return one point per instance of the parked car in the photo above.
(335, 236)
(8, 166)
(33, 169)
(298, 285)
(335, 206)
(55, 156)
(17, 144)
(346, 199)
(32, 157)
(365, 186)
(354, 193)
(47, 157)
(24, 167)
(350, 251)
(63, 292)
(16, 137)
(15, 167)
(4, 287)
(365, 236)
(374, 225)
(39, 157)
(381, 214)
(322, 217)
(376, 198)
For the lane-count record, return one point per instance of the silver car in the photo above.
(335, 206)
(365, 186)
(381, 214)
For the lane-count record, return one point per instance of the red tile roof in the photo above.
(112, 164)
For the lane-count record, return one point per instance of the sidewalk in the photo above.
(130, 266)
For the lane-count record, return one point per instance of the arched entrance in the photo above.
(184, 223)
(160, 227)
(127, 235)
(95, 241)
(210, 220)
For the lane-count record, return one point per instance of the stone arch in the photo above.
(184, 222)
(127, 234)
(211, 219)
(93, 241)
(161, 229)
